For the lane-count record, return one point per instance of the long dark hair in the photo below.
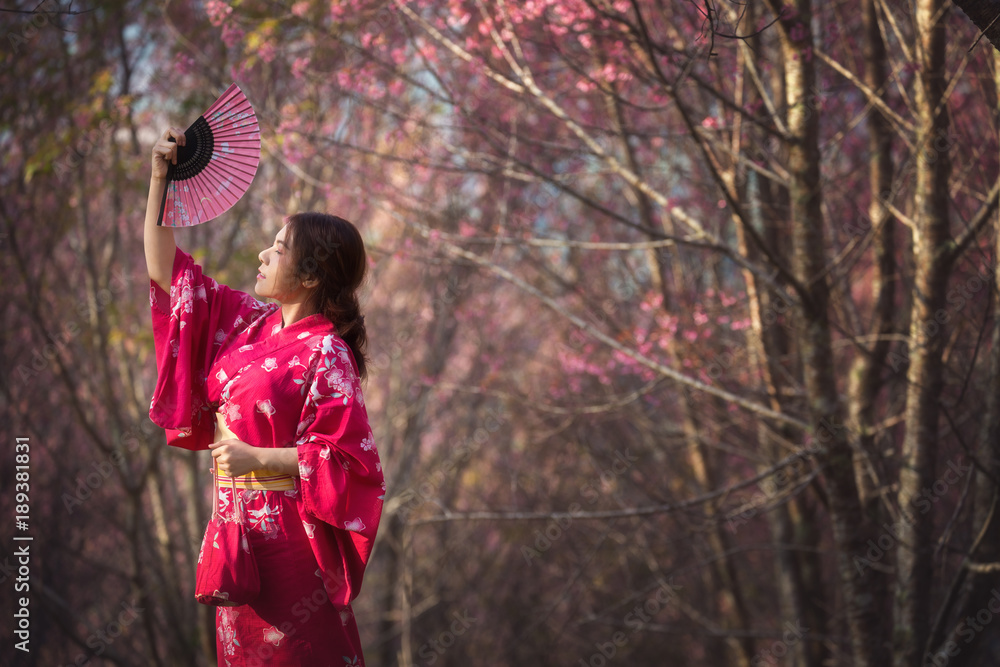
(331, 250)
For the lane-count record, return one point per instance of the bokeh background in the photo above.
(683, 321)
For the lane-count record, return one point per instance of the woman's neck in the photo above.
(293, 312)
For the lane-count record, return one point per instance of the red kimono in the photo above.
(218, 349)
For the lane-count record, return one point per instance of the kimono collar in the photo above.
(266, 338)
(315, 321)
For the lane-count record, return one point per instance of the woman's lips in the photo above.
(260, 276)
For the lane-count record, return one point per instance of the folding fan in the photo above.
(215, 166)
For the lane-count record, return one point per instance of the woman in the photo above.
(273, 389)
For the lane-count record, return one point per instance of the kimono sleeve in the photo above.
(190, 325)
(340, 475)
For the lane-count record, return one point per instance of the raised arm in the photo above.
(159, 241)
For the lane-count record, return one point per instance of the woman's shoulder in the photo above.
(325, 349)
(310, 332)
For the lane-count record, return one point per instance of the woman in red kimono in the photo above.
(273, 389)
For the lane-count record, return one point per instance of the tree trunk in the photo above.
(865, 380)
(722, 574)
(796, 572)
(813, 332)
(394, 528)
(924, 378)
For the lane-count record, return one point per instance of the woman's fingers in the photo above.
(180, 139)
(175, 133)
(166, 148)
(218, 455)
(168, 152)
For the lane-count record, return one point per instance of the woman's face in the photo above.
(276, 279)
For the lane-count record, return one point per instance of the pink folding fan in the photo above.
(217, 164)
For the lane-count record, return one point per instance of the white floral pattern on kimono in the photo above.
(273, 635)
(227, 629)
(265, 408)
(263, 518)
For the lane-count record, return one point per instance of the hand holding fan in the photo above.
(216, 165)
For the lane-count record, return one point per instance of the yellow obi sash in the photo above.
(262, 480)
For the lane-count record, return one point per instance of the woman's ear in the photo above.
(310, 283)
